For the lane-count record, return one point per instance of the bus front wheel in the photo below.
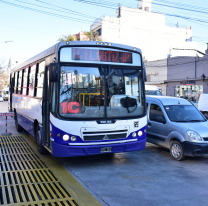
(40, 147)
(18, 127)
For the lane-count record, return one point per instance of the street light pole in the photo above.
(8, 41)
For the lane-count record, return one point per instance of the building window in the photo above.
(99, 31)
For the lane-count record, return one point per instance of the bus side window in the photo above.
(24, 84)
(40, 77)
(31, 80)
(53, 97)
(19, 83)
(15, 82)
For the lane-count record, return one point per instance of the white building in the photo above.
(146, 30)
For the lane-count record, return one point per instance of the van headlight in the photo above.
(194, 136)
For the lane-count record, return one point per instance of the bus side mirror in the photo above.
(53, 72)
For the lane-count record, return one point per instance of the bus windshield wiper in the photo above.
(65, 91)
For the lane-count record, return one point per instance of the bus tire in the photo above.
(38, 139)
(18, 127)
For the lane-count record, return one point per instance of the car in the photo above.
(1, 98)
(176, 124)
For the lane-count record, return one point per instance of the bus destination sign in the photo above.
(81, 54)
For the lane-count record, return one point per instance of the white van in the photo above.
(203, 104)
(152, 90)
(5, 94)
(1, 98)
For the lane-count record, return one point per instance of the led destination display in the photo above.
(80, 54)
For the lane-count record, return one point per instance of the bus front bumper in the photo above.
(59, 150)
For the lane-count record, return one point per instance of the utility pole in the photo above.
(8, 41)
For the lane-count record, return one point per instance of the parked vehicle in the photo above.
(1, 98)
(203, 104)
(5, 94)
(152, 90)
(176, 124)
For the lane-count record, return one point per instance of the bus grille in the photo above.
(104, 135)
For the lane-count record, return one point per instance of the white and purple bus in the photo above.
(82, 98)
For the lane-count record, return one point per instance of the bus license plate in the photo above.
(106, 149)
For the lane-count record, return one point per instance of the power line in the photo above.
(174, 15)
(44, 12)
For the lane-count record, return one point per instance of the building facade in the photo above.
(146, 30)
(185, 77)
(156, 72)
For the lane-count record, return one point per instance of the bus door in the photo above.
(46, 109)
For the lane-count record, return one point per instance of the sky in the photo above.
(35, 25)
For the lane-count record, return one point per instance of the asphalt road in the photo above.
(147, 178)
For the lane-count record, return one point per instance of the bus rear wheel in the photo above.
(38, 138)
(18, 127)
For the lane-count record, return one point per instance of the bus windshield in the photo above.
(92, 92)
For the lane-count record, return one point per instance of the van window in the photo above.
(155, 111)
(183, 113)
(153, 92)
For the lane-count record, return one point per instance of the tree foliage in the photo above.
(94, 36)
(4, 75)
(66, 38)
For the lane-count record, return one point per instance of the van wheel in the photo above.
(18, 127)
(176, 151)
(40, 147)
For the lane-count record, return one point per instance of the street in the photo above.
(148, 177)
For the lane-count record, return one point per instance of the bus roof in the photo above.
(55, 48)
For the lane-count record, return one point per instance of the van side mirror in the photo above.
(160, 119)
(53, 68)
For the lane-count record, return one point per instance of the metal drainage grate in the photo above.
(25, 179)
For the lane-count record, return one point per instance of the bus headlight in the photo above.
(73, 138)
(134, 134)
(140, 133)
(66, 137)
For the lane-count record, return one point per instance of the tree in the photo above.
(66, 38)
(4, 75)
(94, 36)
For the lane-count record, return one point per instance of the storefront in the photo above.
(188, 90)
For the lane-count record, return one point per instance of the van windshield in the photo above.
(153, 92)
(183, 113)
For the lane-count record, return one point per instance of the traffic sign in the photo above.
(7, 114)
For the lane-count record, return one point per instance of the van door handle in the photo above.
(149, 125)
